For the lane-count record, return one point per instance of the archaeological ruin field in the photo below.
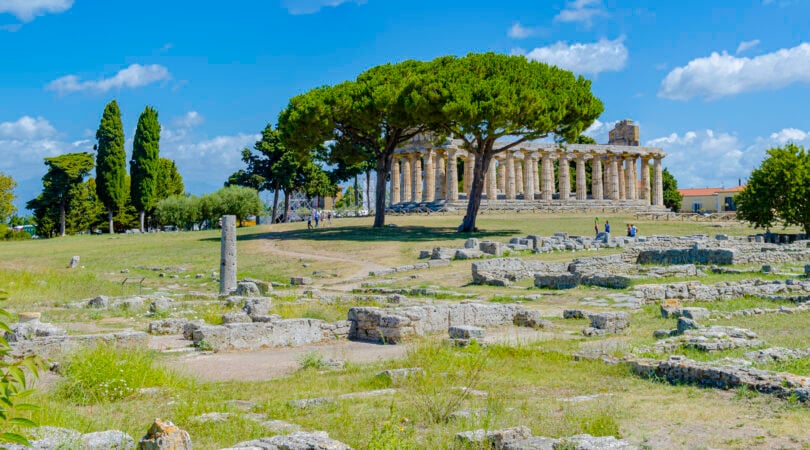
(527, 334)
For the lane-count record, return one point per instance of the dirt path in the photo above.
(271, 246)
(267, 364)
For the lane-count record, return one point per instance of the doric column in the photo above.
(622, 178)
(502, 176)
(470, 173)
(535, 172)
(658, 183)
(452, 176)
(582, 179)
(518, 177)
(547, 188)
(597, 189)
(441, 184)
(565, 177)
(614, 178)
(510, 176)
(429, 194)
(634, 167)
(406, 178)
(630, 182)
(395, 191)
(528, 181)
(417, 177)
(645, 179)
(492, 182)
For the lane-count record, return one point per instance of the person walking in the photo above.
(309, 222)
(317, 218)
(596, 226)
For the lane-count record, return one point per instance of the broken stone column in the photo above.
(74, 262)
(227, 264)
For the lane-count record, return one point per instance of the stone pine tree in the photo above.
(144, 168)
(495, 102)
(111, 162)
(65, 172)
(373, 114)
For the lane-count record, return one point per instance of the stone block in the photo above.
(687, 324)
(575, 314)
(236, 317)
(531, 319)
(610, 322)
(492, 248)
(424, 254)
(165, 436)
(471, 243)
(443, 253)
(247, 289)
(695, 313)
(264, 286)
(498, 439)
(167, 326)
(107, 440)
(670, 307)
(300, 440)
(721, 237)
(438, 263)
(258, 306)
(398, 375)
(557, 280)
(300, 281)
(160, 305)
(466, 332)
(74, 262)
(467, 253)
(100, 302)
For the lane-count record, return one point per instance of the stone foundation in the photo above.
(274, 333)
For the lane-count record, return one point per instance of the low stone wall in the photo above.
(677, 370)
(505, 271)
(394, 325)
(692, 290)
(50, 347)
(694, 255)
(274, 333)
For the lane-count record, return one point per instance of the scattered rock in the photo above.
(165, 436)
(108, 440)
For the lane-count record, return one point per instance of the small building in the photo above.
(709, 200)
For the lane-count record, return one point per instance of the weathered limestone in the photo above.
(227, 264)
(505, 271)
(678, 370)
(407, 186)
(693, 255)
(319, 440)
(658, 183)
(645, 180)
(416, 173)
(711, 339)
(520, 438)
(452, 176)
(429, 194)
(165, 436)
(510, 176)
(397, 324)
(565, 177)
(547, 189)
(274, 332)
(607, 323)
(74, 262)
(695, 291)
(597, 191)
(581, 180)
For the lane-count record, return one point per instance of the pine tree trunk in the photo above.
(62, 208)
(383, 167)
(141, 215)
(275, 206)
(110, 216)
(474, 201)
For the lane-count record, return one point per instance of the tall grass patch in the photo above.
(107, 373)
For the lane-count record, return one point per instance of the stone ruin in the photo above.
(396, 324)
(521, 438)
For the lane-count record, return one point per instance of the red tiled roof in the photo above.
(702, 192)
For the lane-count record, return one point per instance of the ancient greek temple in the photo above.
(619, 173)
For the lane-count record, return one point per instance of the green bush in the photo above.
(8, 234)
(109, 373)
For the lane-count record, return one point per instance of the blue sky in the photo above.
(714, 83)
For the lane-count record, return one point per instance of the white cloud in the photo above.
(786, 135)
(708, 158)
(747, 45)
(518, 31)
(720, 75)
(593, 58)
(581, 11)
(190, 120)
(133, 76)
(26, 128)
(297, 7)
(599, 130)
(205, 165)
(28, 10)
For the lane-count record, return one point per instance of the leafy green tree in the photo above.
(265, 169)
(144, 168)
(239, 201)
(64, 173)
(169, 181)
(85, 210)
(7, 185)
(778, 190)
(672, 198)
(494, 102)
(111, 165)
(372, 115)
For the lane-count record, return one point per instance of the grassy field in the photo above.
(536, 383)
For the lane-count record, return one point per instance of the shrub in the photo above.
(14, 387)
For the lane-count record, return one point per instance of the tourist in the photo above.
(329, 218)
(628, 230)
(317, 218)
(633, 230)
(309, 222)
(607, 227)
(596, 226)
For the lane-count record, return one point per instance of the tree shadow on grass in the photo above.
(368, 234)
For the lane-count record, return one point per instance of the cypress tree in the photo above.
(145, 164)
(111, 164)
